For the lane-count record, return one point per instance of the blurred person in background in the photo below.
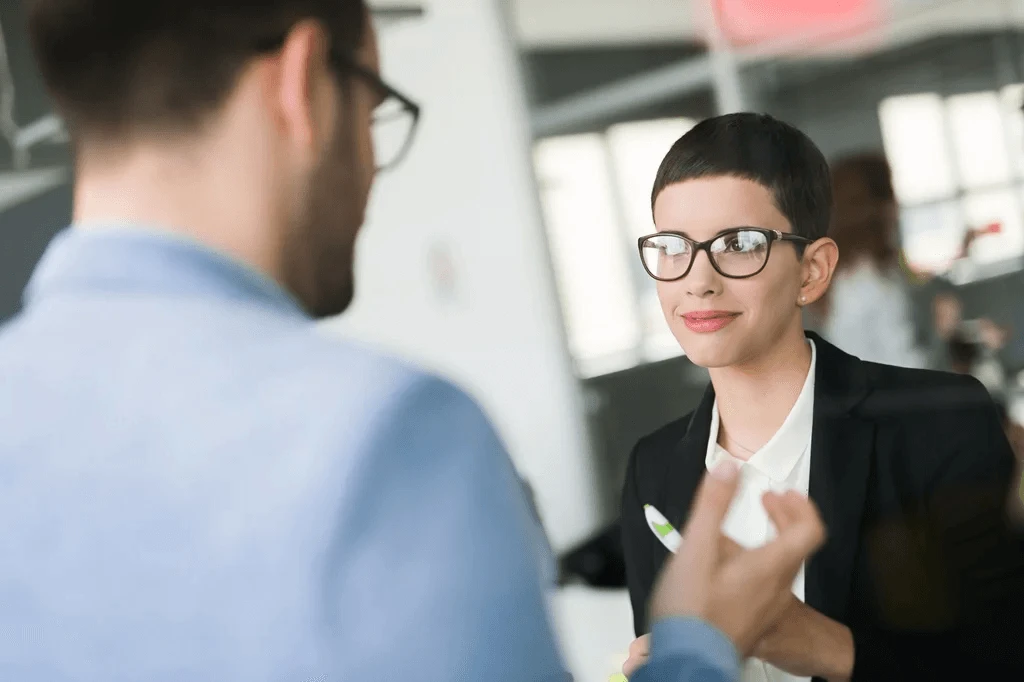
(867, 311)
(946, 316)
(949, 325)
(196, 485)
(973, 348)
(921, 577)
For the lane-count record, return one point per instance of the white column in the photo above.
(725, 74)
(453, 268)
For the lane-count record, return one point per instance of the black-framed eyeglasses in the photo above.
(395, 118)
(736, 253)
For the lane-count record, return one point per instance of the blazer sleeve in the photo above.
(968, 547)
(637, 544)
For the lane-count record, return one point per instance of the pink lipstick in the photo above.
(708, 321)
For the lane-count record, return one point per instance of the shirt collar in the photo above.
(779, 456)
(135, 259)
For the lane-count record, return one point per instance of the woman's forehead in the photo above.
(703, 207)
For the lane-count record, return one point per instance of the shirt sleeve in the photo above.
(436, 573)
(689, 650)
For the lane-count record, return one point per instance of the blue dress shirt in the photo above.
(196, 485)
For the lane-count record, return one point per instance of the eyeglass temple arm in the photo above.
(786, 237)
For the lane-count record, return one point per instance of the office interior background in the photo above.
(502, 253)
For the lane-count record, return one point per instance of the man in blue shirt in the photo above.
(195, 485)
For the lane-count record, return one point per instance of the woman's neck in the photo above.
(754, 399)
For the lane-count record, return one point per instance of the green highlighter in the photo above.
(660, 526)
(618, 677)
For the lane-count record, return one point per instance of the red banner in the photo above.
(807, 22)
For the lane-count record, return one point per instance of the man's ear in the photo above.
(818, 266)
(302, 65)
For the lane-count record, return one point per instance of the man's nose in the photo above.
(703, 280)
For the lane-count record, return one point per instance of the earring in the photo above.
(803, 299)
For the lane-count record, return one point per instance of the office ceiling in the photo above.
(559, 24)
(586, 25)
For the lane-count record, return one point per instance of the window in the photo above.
(584, 234)
(1012, 101)
(979, 144)
(996, 213)
(913, 131)
(637, 150)
(932, 234)
(958, 166)
(595, 195)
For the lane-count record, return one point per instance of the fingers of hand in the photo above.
(709, 509)
(640, 646)
(639, 651)
(632, 665)
(728, 548)
(800, 533)
(797, 520)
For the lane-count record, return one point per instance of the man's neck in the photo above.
(754, 399)
(187, 194)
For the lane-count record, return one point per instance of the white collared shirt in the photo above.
(784, 463)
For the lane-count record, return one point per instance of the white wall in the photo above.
(453, 271)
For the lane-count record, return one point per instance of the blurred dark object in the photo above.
(599, 562)
(963, 353)
(397, 12)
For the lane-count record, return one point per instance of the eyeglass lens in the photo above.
(739, 253)
(392, 129)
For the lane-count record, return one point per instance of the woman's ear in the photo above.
(818, 266)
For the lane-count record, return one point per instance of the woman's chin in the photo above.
(706, 352)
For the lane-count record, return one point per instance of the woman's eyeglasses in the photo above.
(737, 253)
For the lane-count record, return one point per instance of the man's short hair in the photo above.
(760, 148)
(117, 67)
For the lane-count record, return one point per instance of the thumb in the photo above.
(703, 530)
(800, 531)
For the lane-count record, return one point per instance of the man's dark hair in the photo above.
(115, 67)
(760, 148)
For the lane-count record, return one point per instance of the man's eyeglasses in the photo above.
(396, 117)
(737, 253)
(394, 120)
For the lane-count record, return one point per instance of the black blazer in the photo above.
(912, 473)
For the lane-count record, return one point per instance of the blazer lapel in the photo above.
(841, 444)
(686, 468)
